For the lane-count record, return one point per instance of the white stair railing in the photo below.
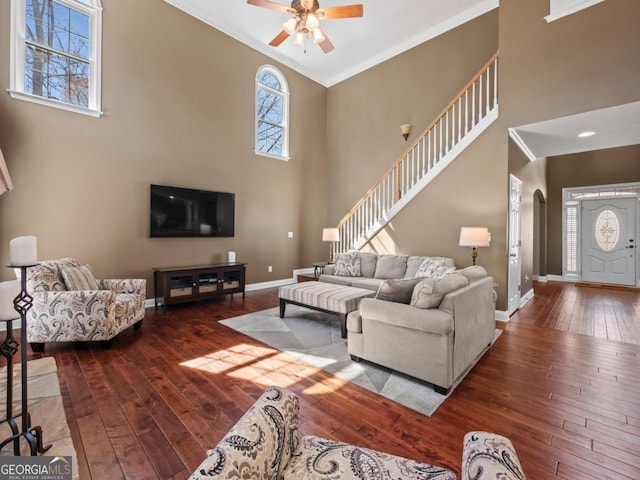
(468, 114)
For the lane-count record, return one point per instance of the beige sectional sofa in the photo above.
(373, 269)
(265, 444)
(437, 344)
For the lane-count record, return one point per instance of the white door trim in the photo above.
(514, 260)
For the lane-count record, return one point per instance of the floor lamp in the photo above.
(331, 235)
(474, 237)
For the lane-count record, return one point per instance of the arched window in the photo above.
(272, 113)
(56, 53)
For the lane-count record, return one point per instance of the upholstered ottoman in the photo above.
(324, 297)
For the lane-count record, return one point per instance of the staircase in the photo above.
(459, 124)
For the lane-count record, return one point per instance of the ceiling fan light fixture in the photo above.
(318, 36)
(299, 40)
(312, 22)
(290, 25)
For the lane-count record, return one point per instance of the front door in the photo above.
(515, 201)
(609, 241)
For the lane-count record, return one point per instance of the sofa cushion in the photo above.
(397, 290)
(434, 267)
(391, 266)
(473, 273)
(368, 262)
(346, 281)
(429, 292)
(365, 282)
(320, 458)
(79, 278)
(347, 264)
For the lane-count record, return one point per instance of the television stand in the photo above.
(175, 285)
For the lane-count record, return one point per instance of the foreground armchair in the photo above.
(70, 305)
(265, 444)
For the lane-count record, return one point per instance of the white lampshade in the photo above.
(290, 25)
(474, 237)
(312, 22)
(330, 234)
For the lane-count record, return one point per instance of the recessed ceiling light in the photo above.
(586, 134)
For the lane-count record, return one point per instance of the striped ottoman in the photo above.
(325, 297)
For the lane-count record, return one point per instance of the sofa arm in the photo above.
(71, 315)
(125, 285)
(260, 444)
(430, 320)
(489, 456)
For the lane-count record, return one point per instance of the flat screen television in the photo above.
(184, 212)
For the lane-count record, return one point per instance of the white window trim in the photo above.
(285, 112)
(17, 58)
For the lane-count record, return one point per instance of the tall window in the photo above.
(55, 53)
(272, 113)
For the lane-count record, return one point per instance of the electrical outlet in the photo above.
(269, 269)
(290, 235)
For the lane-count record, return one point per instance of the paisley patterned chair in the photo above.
(97, 313)
(264, 445)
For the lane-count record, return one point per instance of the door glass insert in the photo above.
(607, 230)
(180, 286)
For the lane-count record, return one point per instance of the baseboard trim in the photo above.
(541, 279)
(502, 316)
(525, 298)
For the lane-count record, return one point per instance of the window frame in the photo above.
(91, 8)
(284, 95)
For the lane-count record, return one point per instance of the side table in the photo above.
(318, 268)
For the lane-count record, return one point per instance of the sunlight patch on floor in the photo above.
(263, 366)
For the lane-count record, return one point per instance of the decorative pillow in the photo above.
(473, 273)
(397, 290)
(347, 265)
(434, 268)
(390, 266)
(429, 292)
(80, 278)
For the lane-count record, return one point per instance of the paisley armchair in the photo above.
(98, 311)
(265, 445)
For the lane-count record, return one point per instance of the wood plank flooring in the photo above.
(559, 382)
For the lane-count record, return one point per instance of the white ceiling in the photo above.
(614, 127)
(387, 28)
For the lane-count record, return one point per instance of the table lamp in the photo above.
(474, 237)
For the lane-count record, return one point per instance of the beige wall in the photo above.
(178, 98)
(364, 114)
(602, 167)
(532, 176)
(579, 63)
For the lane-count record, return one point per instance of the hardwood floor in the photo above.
(558, 382)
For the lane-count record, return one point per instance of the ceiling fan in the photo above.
(305, 22)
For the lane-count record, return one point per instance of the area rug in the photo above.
(314, 337)
(45, 407)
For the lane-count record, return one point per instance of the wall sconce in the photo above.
(330, 235)
(474, 237)
(405, 128)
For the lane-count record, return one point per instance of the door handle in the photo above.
(630, 246)
(515, 254)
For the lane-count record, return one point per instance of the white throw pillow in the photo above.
(434, 268)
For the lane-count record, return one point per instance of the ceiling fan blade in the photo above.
(325, 44)
(271, 5)
(278, 39)
(345, 11)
